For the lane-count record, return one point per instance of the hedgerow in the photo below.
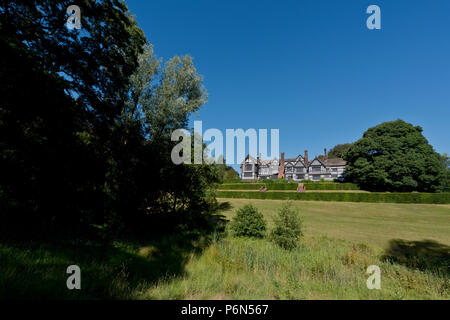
(415, 197)
(289, 186)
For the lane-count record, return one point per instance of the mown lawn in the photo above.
(373, 223)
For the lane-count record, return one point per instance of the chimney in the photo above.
(306, 157)
(325, 156)
(281, 169)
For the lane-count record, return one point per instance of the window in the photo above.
(300, 176)
(248, 167)
(316, 168)
(316, 178)
(299, 170)
(288, 169)
(248, 174)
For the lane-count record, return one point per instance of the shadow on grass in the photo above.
(117, 270)
(423, 255)
(224, 206)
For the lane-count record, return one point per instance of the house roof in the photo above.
(335, 162)
(300, 163)
(267, 163)
(317, 158)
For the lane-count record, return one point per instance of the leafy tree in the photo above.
(227, 172)
(248, 222)
(230, 173)
(395, 156)
(62, 92)
(446, 163)
(148, 184)
(287, 230)
(338, 151)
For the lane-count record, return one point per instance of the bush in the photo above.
(249, 222)
(288, 227)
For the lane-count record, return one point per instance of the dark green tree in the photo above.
(446, 163)
(249, 222)
(230, 173)
(395, 156)
(288, 227)
(149, 188)
(62, 93)
(338, 151)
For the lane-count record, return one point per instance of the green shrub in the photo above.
(288, 227)
(248, 222)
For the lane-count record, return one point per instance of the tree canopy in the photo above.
(395, 156)
(338, 151)
(85, 122)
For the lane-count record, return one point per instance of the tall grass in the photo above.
(227, 268)
(320, 268)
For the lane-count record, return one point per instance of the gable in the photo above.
(289, 164)
(300, 158)
(316, 162)
(300, 164)
(249, 160)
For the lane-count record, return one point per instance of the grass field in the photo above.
(374, 223)
(410, 244)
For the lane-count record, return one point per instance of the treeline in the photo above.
(85, 123)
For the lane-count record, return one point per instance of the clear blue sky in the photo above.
(311, 68)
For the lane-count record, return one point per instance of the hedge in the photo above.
(234, 181)
(290, 186)
(415, 197)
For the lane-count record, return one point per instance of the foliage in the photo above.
(150, 184)
(63, 90)
(86, 122)
(248, 222)
(338, 151)
(388, 197)
(446, 163)
(235, 180)
(228, 173)
(276, 181)
(287, 230)
(394, 156)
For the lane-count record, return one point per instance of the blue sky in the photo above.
(311, 68)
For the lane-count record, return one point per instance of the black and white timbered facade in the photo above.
(296, 169)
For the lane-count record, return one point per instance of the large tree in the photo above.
(446, 163)
(148, 183)
(62, 93)
(395, 156)
(338, 151)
